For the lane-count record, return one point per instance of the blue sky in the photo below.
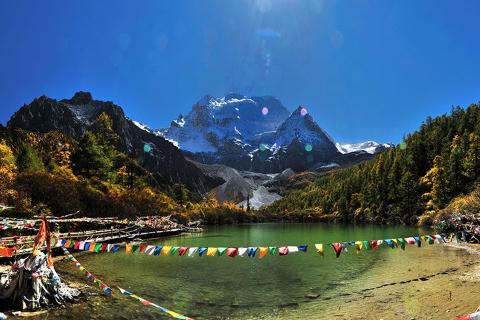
(364, 69)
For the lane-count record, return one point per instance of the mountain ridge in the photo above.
(259, 134)
(77, 115)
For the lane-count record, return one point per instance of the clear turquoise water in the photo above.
(238, 288)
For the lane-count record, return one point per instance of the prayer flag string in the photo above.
(149, 303)
(106, 289)
(260, 252)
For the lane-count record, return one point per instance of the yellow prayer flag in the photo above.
(358, 246)
(211, 252)
(166, 250)
(262, 251)
(92, 247)
(319, 248)
(128, 248)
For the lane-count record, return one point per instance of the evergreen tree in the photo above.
(29, 161)
(180, 193)
(471, 164)
(89, 159)
(454, 167)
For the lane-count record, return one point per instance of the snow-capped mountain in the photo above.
(371, 147)
(254, 133)
(215, 124)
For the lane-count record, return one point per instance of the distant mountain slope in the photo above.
(242, 185)
(258, 134)
(407, 184)
(75, 116)
(371, 147)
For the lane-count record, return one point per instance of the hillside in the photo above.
(54, 173)
(74, 117)
(407, 184)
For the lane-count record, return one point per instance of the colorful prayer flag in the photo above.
(262, 251)
(232, 252)
(211, 251)
(283, 251)
(338, 248)
(221, 251)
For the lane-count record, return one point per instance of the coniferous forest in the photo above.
(411, 183)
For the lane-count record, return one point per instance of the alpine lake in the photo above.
(296, 286)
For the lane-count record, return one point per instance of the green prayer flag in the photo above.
(72, 244)
(366, 245)
(221, 251)
(173, 250)
(272, 250)
(402, 243)
(135, 248)
(98, 247)
(429, 239)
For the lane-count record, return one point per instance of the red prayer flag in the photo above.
(338, 248)
(232, 252)
(283, 251)
(7, 252)
(182, 251)
(104, 247)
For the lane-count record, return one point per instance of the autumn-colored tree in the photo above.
(8, 172)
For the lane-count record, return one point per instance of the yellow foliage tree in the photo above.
(8, 172)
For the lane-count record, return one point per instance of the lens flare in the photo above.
(303, 112)
(310, 158)
(263, 147)
(308, 147)
(264, 111)
(403, 146)
(147, 148)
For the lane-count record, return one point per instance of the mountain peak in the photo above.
(81, 97)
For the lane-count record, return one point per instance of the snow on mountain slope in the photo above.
(258, 134)
(231, 121)
(371, 147)
(301, 126)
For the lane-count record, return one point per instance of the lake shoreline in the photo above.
(446, 294)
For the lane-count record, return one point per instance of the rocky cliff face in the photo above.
(75, 116)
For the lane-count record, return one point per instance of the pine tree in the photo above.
(89, 159)
(29, 161)
(454, 167)
(106, 138)
(471, 164)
